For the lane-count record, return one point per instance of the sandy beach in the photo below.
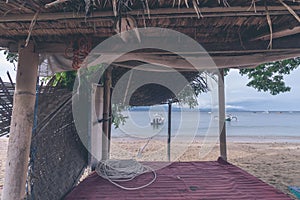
(278, 164)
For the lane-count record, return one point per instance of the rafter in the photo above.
(157, 13)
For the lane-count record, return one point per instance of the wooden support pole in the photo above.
(169, 129)
(96, 128)
(222, 125)
(106, 113)
(110, 123)
(21, 124)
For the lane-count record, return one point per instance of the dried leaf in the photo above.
(270, 27)
(290, 10)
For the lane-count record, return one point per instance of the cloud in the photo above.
(238, 94)
(235, 107)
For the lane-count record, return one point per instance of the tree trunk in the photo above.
(21, 124)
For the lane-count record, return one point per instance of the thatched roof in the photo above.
(236, 33)
(224, 27)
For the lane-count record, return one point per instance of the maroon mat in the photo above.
(183, 180)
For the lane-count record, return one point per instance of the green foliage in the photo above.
(11, 57)
(189, 95)
(117, 117)
(270, 76)
(66, 79)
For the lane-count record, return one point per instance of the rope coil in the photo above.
(123, 171)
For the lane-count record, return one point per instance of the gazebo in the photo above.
(235, 33)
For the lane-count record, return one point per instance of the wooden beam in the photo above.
(289, 43)
(21, 124)
(222, 122)
(175, 62)
(156, 13)
(60, 48)
(106, 112)
(219, 61)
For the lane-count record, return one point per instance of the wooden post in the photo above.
(96, 128)
(110, 123)
(21, 124)
(169, 130)
(106, 115)
(222, 122)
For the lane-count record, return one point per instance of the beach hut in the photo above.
(235, 33)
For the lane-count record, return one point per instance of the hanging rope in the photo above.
(123, 171)
(33, 22)
(78, 51)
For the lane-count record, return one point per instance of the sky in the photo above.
(238, 95)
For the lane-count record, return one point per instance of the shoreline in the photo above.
(232, 139)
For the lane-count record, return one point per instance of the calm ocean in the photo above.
(249, 127)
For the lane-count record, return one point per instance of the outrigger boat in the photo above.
(158, 119)
(230, 117)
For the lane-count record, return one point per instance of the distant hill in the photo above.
(180, 109)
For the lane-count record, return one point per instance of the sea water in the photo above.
(249, 126)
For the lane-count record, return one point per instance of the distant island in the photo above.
(164, 108)
(180, 109)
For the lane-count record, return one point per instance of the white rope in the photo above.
(123, 170)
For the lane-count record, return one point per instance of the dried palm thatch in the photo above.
(220, 21)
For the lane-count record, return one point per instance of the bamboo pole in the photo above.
(169, 129)
(106, 113)
(21, 124)
(222, 125)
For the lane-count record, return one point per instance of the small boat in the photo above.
(158, 119)
(230, 117)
